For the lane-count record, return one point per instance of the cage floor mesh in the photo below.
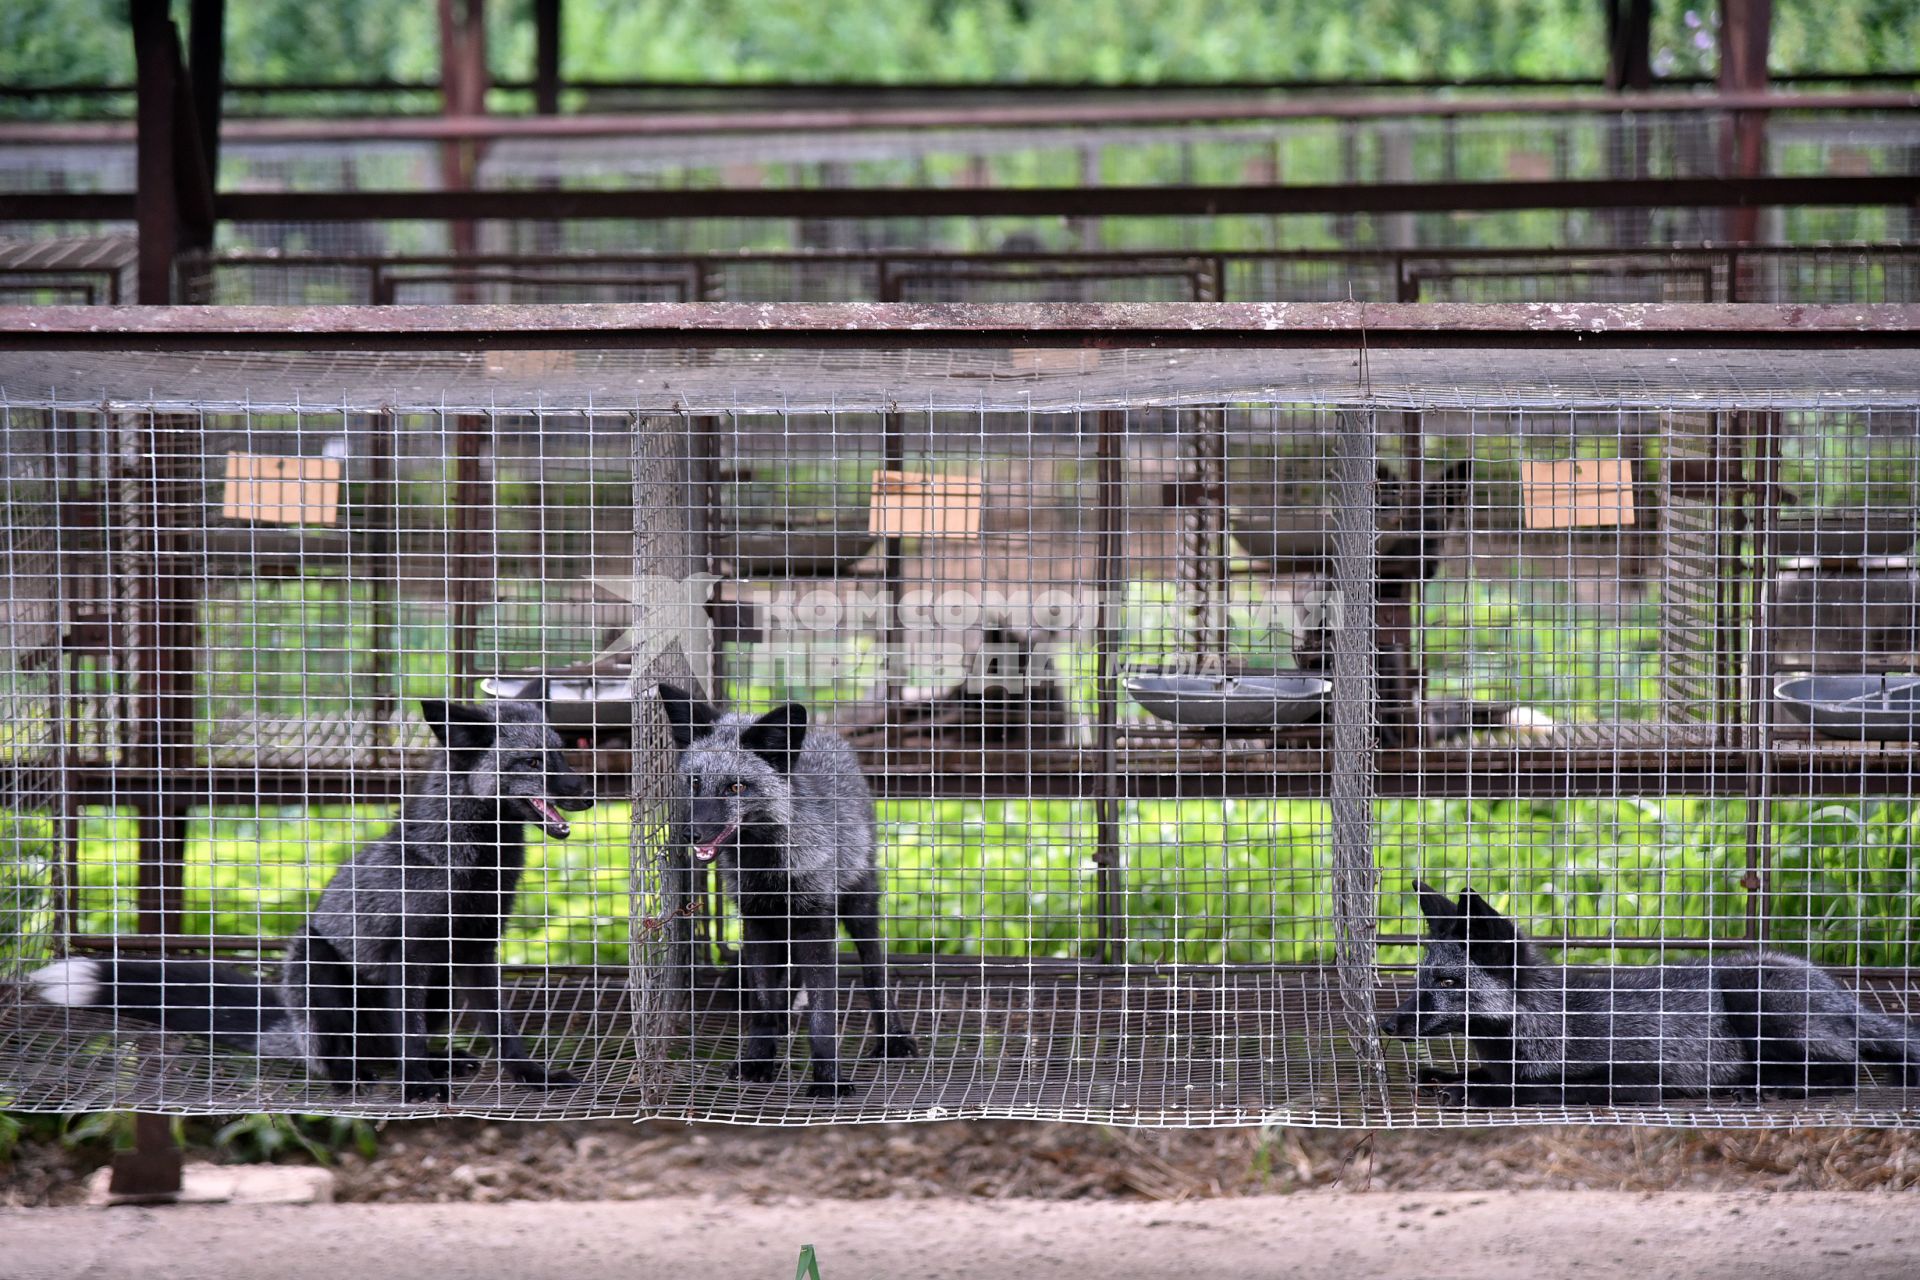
(1130, 1046)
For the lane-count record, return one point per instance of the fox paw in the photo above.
(542, 1077)
(461, 1065)
(754, 1070)
(830, 1089)
(426, 1091)
(894, 1047)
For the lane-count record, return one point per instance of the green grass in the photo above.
(1203, 882)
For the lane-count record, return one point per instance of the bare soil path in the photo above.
(1528, 1235)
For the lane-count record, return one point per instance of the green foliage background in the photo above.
(66, 41)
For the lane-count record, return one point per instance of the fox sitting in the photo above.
(1748, 1023)
(406, 934)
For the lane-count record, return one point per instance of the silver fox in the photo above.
(785, 813)
(406, 932)
(1747, 1024)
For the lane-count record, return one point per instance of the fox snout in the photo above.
(1402, 1023)
(711, 822)
(569, 791)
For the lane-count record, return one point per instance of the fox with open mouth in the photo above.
(785, 813)
(406, 932)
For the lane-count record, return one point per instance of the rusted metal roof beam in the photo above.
(1149, 110)
(1038, 202)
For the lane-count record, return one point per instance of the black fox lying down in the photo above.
(407, 931)
(1745, 1023)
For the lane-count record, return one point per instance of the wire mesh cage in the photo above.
(1776, 273)
(987, 731)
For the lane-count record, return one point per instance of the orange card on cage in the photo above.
(273, 490)
(1581, 494)
(913, 504)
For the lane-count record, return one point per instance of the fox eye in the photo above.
(737, 789)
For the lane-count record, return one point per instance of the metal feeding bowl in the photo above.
(797, 550)
(584, 704)
(1844, 535)
(1283, 536)
(1232, 702)
(1876, 708)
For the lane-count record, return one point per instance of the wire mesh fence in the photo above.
(800, 736)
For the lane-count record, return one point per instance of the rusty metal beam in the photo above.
(1154, 110)
(936, 89)
(206, 67)
(156, 55)
(463, 99)
(1035, 202)
(1704, 253)
(1059, 202)
(899, 325)
(546, 57)
(1630, 45)
(1746, 31)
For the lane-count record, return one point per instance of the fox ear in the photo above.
(1437, 907)
(777, 736)
(1486, 926)
(687, 716)
(458, 726)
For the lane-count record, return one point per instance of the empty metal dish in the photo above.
(1880, 708)
(592, 704)
(1283, 536)
(1844, 535)
(792, 551)
(1232, 702)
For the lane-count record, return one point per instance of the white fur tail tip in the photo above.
(68, 982)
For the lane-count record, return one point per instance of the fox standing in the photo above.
(406, 932)
(1746, 1023)
(786, 815)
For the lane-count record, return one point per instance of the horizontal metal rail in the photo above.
(883, 326)
(1687, 254)
(957, 202)
(959, 88)
(1152, 111)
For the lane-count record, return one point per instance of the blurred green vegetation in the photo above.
(67, 41)
(1203, 882)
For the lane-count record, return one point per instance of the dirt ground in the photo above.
(472, 1161)
(1525, 1235)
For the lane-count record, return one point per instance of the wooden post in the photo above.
(1629, 69)
(206, 65)
(1745, 33)
(546, 57)
(463, 92)
(158, 210)
(1629, 45)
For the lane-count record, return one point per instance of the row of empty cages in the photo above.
(1527, 144)
(1169, 674)
(98, 270)
(1468, 149)
(1748, 273)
